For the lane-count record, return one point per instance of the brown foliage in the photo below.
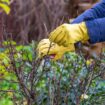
(32, 19)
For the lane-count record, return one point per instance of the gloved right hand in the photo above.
(68, 34)
(55, 51)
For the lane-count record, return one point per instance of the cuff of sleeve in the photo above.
(95, 32)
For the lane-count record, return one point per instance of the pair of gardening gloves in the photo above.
(62, 40)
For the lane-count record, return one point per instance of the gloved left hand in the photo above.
(55, 51)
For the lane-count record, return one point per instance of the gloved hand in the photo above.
(5, 6)
(55, 51)
(67, 34)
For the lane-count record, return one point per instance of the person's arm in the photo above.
(96, 30)
(97, 11)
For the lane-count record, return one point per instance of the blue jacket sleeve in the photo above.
(95, 22)
(96, 30)
(97, 11)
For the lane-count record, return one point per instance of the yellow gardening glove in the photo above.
(67, 34)
(4, 4)
(55, 51)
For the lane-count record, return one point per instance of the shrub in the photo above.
(28, 80)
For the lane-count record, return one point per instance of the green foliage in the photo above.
(63, 82)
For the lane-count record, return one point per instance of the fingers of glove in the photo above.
(61, 39)
(56, 33)
(47, 51)
(58, 37)
(44, 45)
(47, 47)
(42, 53)
(44, 41)
(41, 43)
(65, 40)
